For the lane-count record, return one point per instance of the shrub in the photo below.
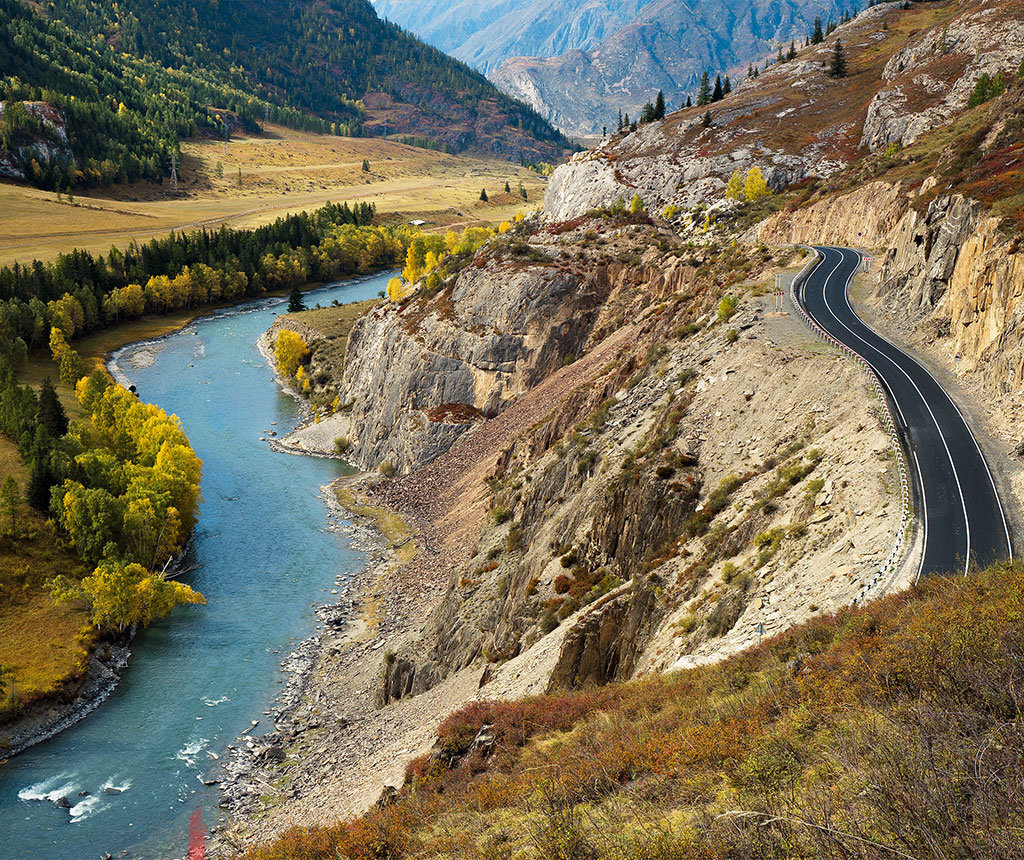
(727, 307)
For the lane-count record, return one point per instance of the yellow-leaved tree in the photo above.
(734, 189)
(755, 187)
(121, 595)
(291, 351)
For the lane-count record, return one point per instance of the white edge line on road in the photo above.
(927, 405)
(924, 507)
(803, 276)
(952, 402)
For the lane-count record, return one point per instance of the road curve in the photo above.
(957, 501)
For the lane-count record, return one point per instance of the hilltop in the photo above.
(577, 63)
(102, 92)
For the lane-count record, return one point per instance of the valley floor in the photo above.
(283, 171)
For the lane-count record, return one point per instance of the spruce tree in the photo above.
(483, 195)
(50, 412)
(295, 300)
(837, 68)
(508, 188)
(39, 483)
(689, 103)
(717, 95)
(704, 90)
(792, 51)
(818, 36)
(659, 106)
(620, 119)
(706, 120)
(366, 165)
(727, 85)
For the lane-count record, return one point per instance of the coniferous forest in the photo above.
(133, 78)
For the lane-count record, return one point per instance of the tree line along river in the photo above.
(263, 554)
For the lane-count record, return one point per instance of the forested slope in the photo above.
(129, 79)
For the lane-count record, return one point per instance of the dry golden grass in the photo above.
(283, 171)
(39, 638)
(396, 530)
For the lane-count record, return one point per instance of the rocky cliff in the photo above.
(420, 376)
(664, 509)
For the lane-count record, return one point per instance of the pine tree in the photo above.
(50, 413)
(750, 70)
(726, 85)
(522, 191)
(620, 119)
(508, 188)
(706, 120)
(717, 95)
(659, 106)
(704, 90)
(295, 301)
(792, 51)
(818, 36)
(39, 483)
(366, 165)
(837, 68)
(689, 103)
(647, 114)
(483, 195)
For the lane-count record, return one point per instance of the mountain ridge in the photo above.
(132, 78)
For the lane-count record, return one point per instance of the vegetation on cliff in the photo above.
(891, 730)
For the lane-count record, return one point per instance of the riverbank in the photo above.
(77, 697)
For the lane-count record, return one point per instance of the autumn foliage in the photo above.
(128, 503)
(892, 730)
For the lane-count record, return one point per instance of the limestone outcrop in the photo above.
(418, 377)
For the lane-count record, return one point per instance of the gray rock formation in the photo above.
(932, 78)
(419, 377)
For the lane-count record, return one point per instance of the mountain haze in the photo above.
(577, 63)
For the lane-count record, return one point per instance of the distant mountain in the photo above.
(131, 77)
(485, 34)
(577, 62)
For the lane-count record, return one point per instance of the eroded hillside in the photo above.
(658, 479)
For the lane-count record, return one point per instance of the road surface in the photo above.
(957, 502)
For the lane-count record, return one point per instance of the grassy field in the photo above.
(43, 642)
(283, 171)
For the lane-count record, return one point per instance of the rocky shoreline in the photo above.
(48, 718)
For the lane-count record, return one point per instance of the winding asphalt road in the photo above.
(959, 506)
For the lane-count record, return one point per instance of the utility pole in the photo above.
(174, 172)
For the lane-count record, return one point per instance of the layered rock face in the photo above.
(629, 515)
(420, 377)
(55, 147)
(866, 217)
(932, 78)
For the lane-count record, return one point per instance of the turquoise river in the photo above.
(263, 555)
